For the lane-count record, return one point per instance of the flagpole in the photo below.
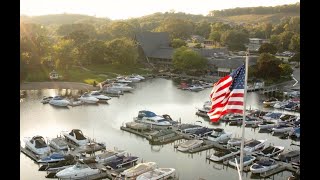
(244, 113)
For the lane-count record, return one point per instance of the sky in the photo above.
(124, 9)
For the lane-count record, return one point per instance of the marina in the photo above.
(106, 123)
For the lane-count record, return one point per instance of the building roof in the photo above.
(211, 52)
(232, 63)
(155, 44)
(163, 53)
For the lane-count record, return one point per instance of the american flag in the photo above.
(227, 95)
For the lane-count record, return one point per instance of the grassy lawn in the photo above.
(97, 73)
(113, 69)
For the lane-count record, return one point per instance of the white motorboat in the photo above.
(120, 87)
(221, 155)
(247, 160)
(289, 156)
(46, 99)
(109, 156)
(159, 173)
(195, 88)
(133, 78)
(55, 157)
(270, 102)
(189, 128)
(219, 135)
(267, 125)
(87, 98)
(37, 145)
(123, 80)
(271, 151)
(252, 121)
(58, 144)
(138, 76)
(234, 142)
(76, 136)
(254, 145)
(138, 169)
(77, 171)
(190, 144)
(99, 96)
(59, 101)
(281, 104)
(263, 165)
(151, 118)
(281, 128)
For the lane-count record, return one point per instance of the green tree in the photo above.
(176, 43)
(122, 51)
(267, 48)
(66, 29)
(295, 43)
(286, 70)
(94, 52)
(65, 53)
(295, 58)
(198, 45)
(285, 39)
(235, 40)
(177, 28)
(268, 67)
(186, 59)
(276, 41)
(121, 29)
(203, 29)
(215, 36)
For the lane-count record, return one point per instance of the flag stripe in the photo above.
(227, 95)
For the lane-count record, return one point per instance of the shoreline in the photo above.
(56, 85)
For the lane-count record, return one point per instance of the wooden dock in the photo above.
(29, 154)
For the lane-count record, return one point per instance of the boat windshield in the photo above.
(216, 134)
(79, 135)
(40, 143)
(95, 93)
(57, 98)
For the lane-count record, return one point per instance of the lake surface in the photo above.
(103, 122)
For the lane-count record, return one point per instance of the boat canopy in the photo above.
(78, 134)
(146, 114)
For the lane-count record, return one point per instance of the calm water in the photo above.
(103, 122)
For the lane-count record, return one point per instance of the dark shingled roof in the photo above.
(210, 52)
(155, 44)
(232, 63)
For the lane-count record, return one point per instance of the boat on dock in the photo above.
(87, 98)
(247, 160)
(122, 161)
(254, 145)
(234, 142)
(159, 173)
(189, 128)
(195, 88)
(151, 118)
(221, 155)
(270, 102)
(109, 156)
(138, 169)
(271, 151)
(282, 128)
(289, 156)
(76, 136)
(267, 125)
(37, 145)
(189, 144)
(201, 133)
(219, 135)
(137, 126)
(59, 101)
(264, 165)
(46, 99)
(99, 96)
(77, 171)
(59, 144)
(55, 157)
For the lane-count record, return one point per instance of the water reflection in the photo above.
(103, 121)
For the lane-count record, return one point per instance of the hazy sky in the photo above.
(123, 9)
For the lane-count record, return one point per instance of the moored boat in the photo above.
(219, 135)
(254, 145)
(159, 173)
(263, 165)
(221, 155)
(77, 171)
(138, 169)
(76, 136)
(55, 157)
(37, 145)
(189, 144)
(247, 160)
(271, 151)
